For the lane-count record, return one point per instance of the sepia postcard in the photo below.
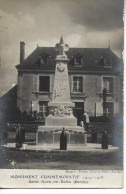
(61, 93)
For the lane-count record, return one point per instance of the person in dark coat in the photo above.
(105, 140)
(94, 136)
(18, 137)
(22, 133)
(63, 140)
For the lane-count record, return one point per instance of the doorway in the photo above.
(108, 110)
(78, 111)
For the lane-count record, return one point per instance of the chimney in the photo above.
(22, 52)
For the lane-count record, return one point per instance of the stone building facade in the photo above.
(90, 70)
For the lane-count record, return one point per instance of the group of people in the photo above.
(104, 141)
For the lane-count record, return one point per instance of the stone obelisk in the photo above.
(61, 107)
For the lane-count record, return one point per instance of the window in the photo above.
(78, 60)
(44, 83)
(108, 110)
(102, 61)
(77, 84)
(45, 60)
(43, 108)
(108, 84)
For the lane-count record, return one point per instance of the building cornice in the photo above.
(71, 69)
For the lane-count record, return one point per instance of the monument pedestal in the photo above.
(60, 121)
(51, 135)
(60, 114)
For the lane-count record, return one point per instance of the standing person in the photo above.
(94, 136)
(81, 121)
(105, 140)
(18, 136)
(63, 140)
(22, 133)
(86, 120)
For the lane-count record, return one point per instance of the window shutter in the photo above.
(116, 85)
(70, 82)
(116, 109)
(34, 106)
(99, 109)
(52, 77)
(99, 84)
(83, 84)
(35, 83)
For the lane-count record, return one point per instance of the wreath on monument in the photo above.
(60, 68)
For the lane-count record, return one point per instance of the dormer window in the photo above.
(43, 59)
(40, 61)
(78, 60)
(103, 62)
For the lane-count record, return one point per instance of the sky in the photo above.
(83, 23)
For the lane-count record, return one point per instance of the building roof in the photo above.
(91, 56)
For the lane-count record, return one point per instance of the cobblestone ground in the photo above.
(87, 160)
